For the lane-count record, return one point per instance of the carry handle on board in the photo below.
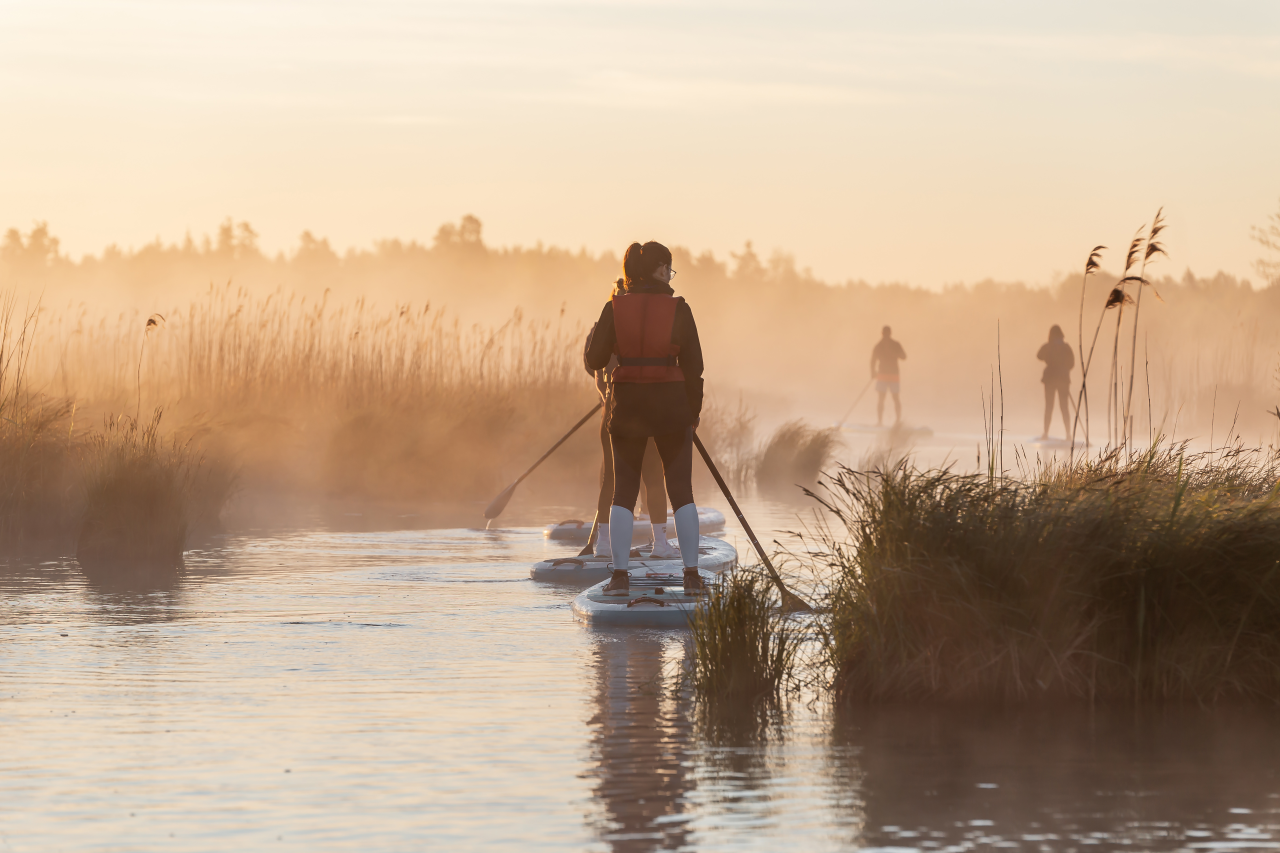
(499, 503)
(791, 603)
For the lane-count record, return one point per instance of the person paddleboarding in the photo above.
(653, 496)
(1058, 360)
(885, 356)
(654, 392)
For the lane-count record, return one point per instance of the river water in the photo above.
(319, 688)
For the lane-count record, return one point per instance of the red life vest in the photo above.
(643, 322)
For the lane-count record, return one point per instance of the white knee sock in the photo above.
(687, 534)
(602, 541)
(622, 525)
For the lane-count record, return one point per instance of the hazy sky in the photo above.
(928, 142)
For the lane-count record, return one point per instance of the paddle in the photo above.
(591, 540)
(495, 509)
(840, 422)
(791, 603)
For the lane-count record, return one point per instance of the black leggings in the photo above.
(676, 450)
(652, 496)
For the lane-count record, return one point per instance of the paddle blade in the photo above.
(792, 603)
(495, 509)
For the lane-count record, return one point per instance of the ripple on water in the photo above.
(414, 689)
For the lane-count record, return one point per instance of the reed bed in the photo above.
(1126, 577)
(744, 646)
(349, 400)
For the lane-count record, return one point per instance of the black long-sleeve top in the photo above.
(653, 408)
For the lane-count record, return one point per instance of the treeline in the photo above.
(788, 342)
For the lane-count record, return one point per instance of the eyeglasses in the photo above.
(673, 272)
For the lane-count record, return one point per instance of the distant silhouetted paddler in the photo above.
(885, 356)
(1058, 361)
(655, 391)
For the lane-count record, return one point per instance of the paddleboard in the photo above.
(576, 530)
(1053, 443)
(868, 429)
(714, 555)
(654, 600)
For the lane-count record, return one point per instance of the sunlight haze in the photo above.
(925, 142)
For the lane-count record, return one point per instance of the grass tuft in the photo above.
(794, 456)
(142, 495)
(744, 647)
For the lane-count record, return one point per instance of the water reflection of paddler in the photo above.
(1058, 360)
(885, 356)
(640, 746)
(653, 495)
(654, 392)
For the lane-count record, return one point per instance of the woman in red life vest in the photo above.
(656, 392)
(653, 498)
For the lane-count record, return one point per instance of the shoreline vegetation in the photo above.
(123, 441)
(1129, 577)
(1141, 573)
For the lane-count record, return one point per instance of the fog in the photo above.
(437, 369)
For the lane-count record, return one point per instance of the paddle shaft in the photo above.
(857, 400)
(591, 539)
(543, 457)
(787, 595)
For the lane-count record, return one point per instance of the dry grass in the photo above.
(1129, 577)
(793, 457)
(402, 403)
(744, 647)
(143, 495)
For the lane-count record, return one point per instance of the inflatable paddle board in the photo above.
(656, 599)
(867, 429)
(714, 556)
(1054, 443)
(576, 530)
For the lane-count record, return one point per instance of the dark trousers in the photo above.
(676, 452)
(653, 498)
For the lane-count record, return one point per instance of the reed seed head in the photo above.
(1091, 265)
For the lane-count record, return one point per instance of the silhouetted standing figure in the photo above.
(1058, 360)
(885, 356)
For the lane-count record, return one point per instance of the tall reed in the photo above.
(1090, 267)
(1152, 249)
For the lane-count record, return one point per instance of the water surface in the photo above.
(406, 690)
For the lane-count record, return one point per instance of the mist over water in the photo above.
(247, 594)
(414, 371)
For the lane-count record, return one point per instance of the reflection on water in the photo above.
(413, 689)
(640, 744)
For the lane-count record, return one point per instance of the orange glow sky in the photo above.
(926, 142)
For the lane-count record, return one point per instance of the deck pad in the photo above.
(652, 601)
(714, 555)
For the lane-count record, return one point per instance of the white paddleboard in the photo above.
(714, 556)
(868, 429)
(654, 600)
(1054, 443)
(576, 530)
